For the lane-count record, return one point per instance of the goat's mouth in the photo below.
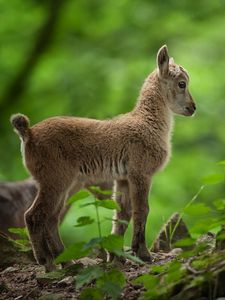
(189, 111)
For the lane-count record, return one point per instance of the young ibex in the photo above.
(64, 153)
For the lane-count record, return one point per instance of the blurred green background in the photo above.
(89, 58)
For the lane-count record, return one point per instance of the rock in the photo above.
(174, 230)
(206, 242)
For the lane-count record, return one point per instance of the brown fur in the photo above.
(65, 153)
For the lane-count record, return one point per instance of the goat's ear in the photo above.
(171, 61)
(163, 60)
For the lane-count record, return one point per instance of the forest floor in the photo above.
(26, 281)
(177, 274)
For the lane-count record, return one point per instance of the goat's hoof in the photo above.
(50, 267)
(144, 255)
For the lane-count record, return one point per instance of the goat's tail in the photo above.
(21, 124)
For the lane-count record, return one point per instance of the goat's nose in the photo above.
(194, 106)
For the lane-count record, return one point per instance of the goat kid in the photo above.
(63, 154)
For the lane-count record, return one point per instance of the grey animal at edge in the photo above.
(64, 153)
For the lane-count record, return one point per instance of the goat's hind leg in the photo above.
(42, 223)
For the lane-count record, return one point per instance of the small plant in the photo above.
(107, 280)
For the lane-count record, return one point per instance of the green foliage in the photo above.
(91, 294)
(111, 283)
(23, 242)
(83, 221)
(74, 251)
(82, 194)
(108, 282)
(87, 275)
(109, 204)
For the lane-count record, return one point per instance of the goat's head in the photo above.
(174, 81)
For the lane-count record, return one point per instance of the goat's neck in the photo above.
(152, 106)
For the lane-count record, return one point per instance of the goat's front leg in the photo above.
(139, 189)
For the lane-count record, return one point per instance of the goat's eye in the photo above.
(182, 84)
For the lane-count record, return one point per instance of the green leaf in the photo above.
(197, 209)
(133, 258)
(185, 242)
(93, 243)
(91, 294)
(109, 204)
(22, 232)
(82, 194)
(213, 178)
(112, 242)
(175, 272)
(89, 204)
(219, 204)
(148, 281)
(83, 221)
(100, 191)
(87, 275)
(74, 251)
(111, 283)
(158, 269)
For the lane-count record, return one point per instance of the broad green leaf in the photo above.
(148, 281)
(213, 178)
(83, 221)
(74, 251)
(185, 242)
(112, 242)
(100, 191)
(92, 203)
(93, 243)
(133, 258)
(87, 275)
(159, 268)
(111, 283)
(197, 209)
(175, 272)
(109, 204)
(22, 232)
(82, 194)
(219, 204)
(91, 294)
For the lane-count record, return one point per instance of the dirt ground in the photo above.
(24, 281)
